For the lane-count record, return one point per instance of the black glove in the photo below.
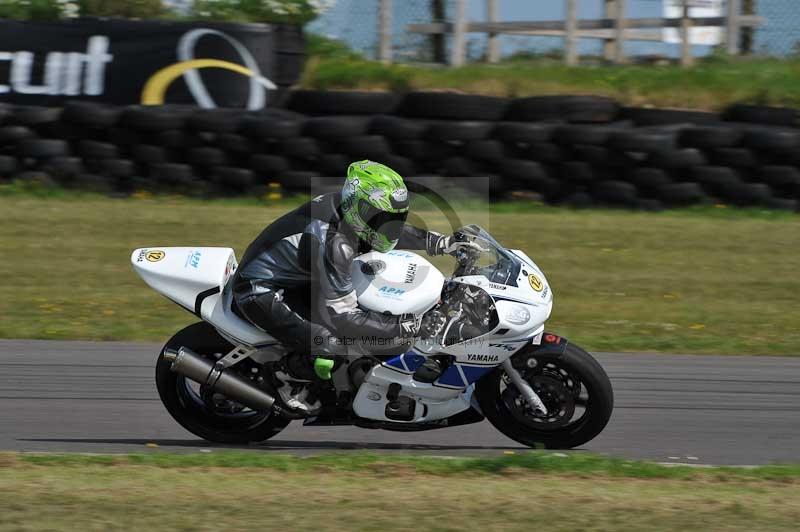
(451, 246)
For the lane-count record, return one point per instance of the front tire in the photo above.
(574, 387)
(186, 406)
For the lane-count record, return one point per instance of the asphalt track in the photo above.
(100, 397)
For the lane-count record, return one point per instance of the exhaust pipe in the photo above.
(194, 367)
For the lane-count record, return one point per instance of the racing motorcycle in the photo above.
(481, 352)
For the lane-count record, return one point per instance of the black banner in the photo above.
(148, 62)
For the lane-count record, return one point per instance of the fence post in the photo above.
(571, 35)
(385, 31)
(438, 45)
(686, 37)
(459, 45)
(619, 32)
(746, 34)
(609, 10)
(493, 46)
(732, 35)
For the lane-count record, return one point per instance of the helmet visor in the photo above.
(388, 224)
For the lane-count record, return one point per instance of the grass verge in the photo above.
(711, 85)
(534, 462)
(242, 490)
(699, 281)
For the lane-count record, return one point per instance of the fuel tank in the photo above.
(398, 282)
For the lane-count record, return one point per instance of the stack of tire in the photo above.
(335, 132)
(124, 149)
(744, 157)
(571, 150)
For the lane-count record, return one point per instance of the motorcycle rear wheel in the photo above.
(574, 388)
(187, 407)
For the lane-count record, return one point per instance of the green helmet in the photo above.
(375, 204)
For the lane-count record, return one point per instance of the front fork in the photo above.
(524, 388)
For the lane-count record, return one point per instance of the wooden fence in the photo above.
(614, 30)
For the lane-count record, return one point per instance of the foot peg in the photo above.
(399, 407)
(402, 409)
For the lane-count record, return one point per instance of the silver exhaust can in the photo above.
(194, 367)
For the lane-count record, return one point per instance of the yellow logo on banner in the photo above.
(156, 87)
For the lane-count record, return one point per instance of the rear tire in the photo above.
(597, 412)
(192, 413)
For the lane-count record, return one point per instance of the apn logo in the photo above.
(389, 291)
(193, 259)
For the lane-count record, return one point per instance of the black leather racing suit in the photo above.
(294, 280)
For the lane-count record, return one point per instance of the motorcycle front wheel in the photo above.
(573, 387)
(219, 420)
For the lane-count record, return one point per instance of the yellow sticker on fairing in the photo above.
(155, 255)
(536, 283)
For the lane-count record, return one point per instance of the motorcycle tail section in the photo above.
(181, 273)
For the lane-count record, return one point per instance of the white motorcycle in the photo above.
(481, 352)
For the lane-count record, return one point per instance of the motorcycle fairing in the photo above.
(196, 278)
(182, 274)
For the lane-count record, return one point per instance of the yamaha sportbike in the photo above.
(481, 352)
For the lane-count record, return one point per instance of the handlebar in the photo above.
(468, 256)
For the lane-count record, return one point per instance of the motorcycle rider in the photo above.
(294, 280)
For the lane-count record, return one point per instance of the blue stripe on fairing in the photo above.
(451, 377)
(413, 361)
(396, 363)
(473, 373)
(407, 362)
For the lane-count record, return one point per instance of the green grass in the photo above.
(540, 462)
(699, 281)
(245, 490)
(712, 84)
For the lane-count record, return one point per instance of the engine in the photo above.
(464, 312)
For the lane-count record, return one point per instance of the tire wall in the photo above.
(570, 150)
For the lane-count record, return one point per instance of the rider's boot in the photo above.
(296, 374)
